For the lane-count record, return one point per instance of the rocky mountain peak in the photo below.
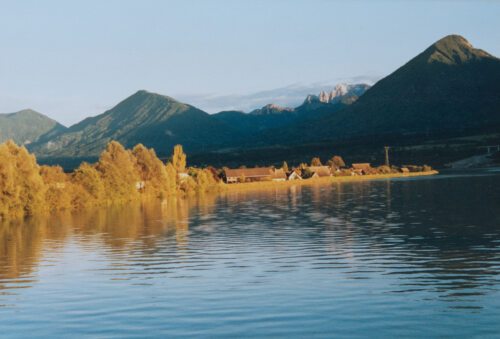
(337, 94)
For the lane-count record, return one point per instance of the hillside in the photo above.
(260, 126)
(155, 120)
(26, 126)
(160, 122)
(450, 87)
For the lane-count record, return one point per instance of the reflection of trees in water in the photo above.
(22, 245)
(138, 226)
(435, 235)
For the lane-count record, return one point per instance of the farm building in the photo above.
(279, 175)
(248, 174)
(320, 171)
(362, 168)
(294, 175)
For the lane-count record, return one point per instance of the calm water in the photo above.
(401, 257)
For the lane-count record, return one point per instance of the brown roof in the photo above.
(321, 171)
(249, 172)
(362, 166)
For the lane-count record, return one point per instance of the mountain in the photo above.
(247, 124)
(272, 117)
(155, 120)
(341, 93)
(271, 109)
(160, 122)
(26, 126)
(449, 87)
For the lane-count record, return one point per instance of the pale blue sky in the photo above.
(72, 59)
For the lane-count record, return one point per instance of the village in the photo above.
(335, 167)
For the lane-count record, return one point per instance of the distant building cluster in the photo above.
(336, 167)
(240, 175)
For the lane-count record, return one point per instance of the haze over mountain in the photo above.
(27, 126)
(287, 96)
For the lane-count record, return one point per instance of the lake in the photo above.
(399, 257)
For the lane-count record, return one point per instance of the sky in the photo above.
(73, 59)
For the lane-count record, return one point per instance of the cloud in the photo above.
(289, 96)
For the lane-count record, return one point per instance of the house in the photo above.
(139, 185)
(405, 170)
(248, 174)
(320, 171)
(279, 175)
(361, 168)
(183, 176)
(294, 175)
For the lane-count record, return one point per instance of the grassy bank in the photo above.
(325, 180)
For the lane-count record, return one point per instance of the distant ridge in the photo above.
(27, 126)
(160, 122)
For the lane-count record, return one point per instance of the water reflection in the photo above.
(367, 245)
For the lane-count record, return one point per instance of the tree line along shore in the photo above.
(121, 175)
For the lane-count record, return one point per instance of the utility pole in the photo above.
(386, 148)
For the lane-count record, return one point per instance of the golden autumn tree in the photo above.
(315, 161)
(22, 190)
(59, 191)
(203, 179)
(172, 177)
(9, 191)
(88, 186)
(152, 172)
(336, 162)
(179, 159)
(284, 167)
(117, 167)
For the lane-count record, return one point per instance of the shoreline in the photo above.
(259, 185)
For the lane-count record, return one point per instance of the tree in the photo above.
(306, 173)
(87, 185)
(59, 193)
(284, 167)
(117, 167)
(179, 159)
(22, 189)
(173, 180)
(203, 180)
(315, 161)
(151, 171)
(336, 162)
